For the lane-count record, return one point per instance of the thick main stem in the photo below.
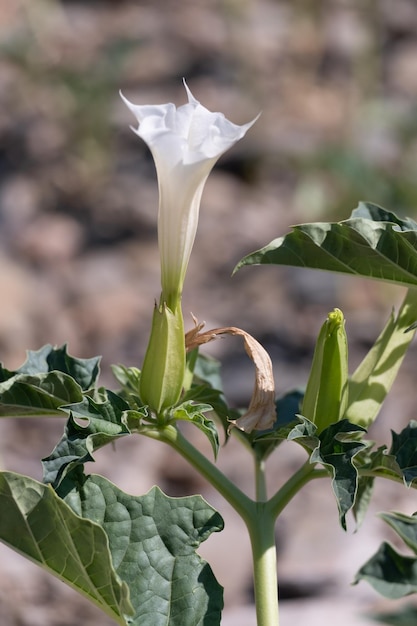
(262, 536)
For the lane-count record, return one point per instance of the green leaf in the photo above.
(194, 413)
(208, 370)
(404, 616)
(35, 522)
(84, 371)
(304, 432)
(384, 463)
(99, 423)
(373, 379)
(373, 243)
(129, 379)
(363, 498)
(405, 526)
(152, 540)
(287, 408)
(404, 450)
(389, 572)
(207, 389)
(205, 394)
(25, 395)
(339, 445)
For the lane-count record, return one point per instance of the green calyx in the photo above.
(326, 395)
(163, 368)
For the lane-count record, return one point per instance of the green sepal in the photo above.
(325, 398)
(163, 370)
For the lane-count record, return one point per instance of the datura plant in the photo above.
(136, 557)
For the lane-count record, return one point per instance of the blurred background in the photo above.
(336, 81)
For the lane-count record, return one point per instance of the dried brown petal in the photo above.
(261, 413)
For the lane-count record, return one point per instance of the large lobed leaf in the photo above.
(37, 523)
(30, 395)
(133, 556)
(48, 379)
(339, 444)
(48, 359)
(373, 243)
(336, 448)
(92, 424)
(152, 540)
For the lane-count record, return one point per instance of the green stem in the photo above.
(258, 516)
(262, 536)
(258, 519)
(260, 482)
(239, 501)
(283, 496)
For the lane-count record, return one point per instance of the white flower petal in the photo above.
(185, 143)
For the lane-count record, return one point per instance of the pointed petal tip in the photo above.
(127, 102)
(190, 96)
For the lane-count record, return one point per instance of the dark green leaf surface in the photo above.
(152, 540)
(373, 243)
(25, 395)
(383, 462)
(48, 379)
(37, 523)
(208, 389)
(405, 526)
(194, 413)
(404, 450)
(338, 446)
(287, 409)
(84, 371)
(91, 425)
(363, 498)
(390, 573)
(129, 378)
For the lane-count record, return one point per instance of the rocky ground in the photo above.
(336, 83)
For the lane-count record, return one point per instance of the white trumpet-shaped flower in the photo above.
(185, 143)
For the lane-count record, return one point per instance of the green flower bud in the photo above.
(163, 369)
(326, 395)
